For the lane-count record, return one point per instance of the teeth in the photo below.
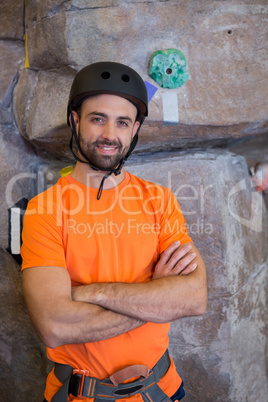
(107, 148)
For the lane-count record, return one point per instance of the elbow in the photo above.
(201, 298)
(197, 306)
(202, 308)
(51, 336)
(201, 305)
(47, 332)
(194, 306)
(51, 342)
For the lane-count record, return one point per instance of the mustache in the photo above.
(104, 142)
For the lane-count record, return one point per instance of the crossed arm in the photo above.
(167, 297)
(63, 315)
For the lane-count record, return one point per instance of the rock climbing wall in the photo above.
(213, 94)
(224, 44)
(228, 222)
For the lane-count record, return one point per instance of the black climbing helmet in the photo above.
(109, 78)
(113, 79)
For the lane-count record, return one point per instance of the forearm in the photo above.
(161, 300)
(178, 289)
(59, 320)
(84, 322)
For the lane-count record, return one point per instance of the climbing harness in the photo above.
(78, 383)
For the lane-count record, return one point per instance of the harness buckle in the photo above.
(78, 380)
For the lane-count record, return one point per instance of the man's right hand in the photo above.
(175, 260)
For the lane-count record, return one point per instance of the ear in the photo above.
(135, 128)
(76, 120)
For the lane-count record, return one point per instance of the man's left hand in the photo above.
(175, 260)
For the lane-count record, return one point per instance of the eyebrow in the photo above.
(106, 116)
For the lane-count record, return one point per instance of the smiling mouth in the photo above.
(107, 149)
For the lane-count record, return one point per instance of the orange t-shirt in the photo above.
(115, 239)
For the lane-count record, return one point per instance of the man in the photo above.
(107, 261)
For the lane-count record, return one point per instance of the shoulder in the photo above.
(150, 188)
(46, 203)
(50, 195)
(161, 199)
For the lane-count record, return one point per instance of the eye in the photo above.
(97, 119)
(122, 123)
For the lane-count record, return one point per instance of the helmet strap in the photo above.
(102, 184)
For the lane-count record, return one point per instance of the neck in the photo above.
(92, 178)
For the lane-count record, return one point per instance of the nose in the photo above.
(109, 131)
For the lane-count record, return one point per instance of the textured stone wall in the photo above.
(21, 353)
(225, 44)
(221, 356)
(228, 222)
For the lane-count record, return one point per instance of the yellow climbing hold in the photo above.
(66, 170)
(26, 52)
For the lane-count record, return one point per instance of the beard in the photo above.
(104, 162)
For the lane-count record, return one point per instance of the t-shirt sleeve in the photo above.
(172, 224)
(42, 243)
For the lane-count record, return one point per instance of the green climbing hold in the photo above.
(169, 68)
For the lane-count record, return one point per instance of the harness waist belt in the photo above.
(78, 383)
